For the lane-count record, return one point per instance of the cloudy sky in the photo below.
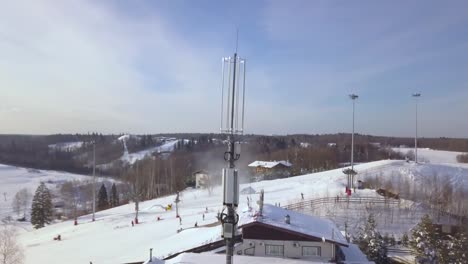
(155, 66)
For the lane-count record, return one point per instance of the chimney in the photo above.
(287, 219)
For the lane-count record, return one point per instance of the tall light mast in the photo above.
(353, 97)
(351, 172)
(416, 96)
(94, 180)
(232, 124)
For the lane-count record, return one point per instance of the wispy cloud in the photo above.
(78, 66)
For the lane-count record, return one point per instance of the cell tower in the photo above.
(232, 124)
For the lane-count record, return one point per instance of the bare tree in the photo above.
(69, 191)
(21, 201)
(10, 251)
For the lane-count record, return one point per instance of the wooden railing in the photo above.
(315, 203)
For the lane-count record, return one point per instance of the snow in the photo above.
(67, 146)
(300, 223)
(269, 164)
(354, 254)
(431, 155)
(112, 239)
(208, 258)
(248, 190)
(133, 157)
(12, 179)
(455, 173)
(123, 137)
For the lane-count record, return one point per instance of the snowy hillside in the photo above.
(112, 239)
(168, 145)
(133, 157)
(12, 179)
(431, 155)
(67, 146)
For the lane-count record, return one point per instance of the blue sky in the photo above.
(154, 66)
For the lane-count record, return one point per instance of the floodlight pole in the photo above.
(94, 180)
(416, 96)
(353, 97)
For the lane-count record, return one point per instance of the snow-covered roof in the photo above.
(269, 164)
(299, 223)
(353, 255)
(248, 190)
(209, 258)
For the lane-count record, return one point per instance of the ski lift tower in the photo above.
(232, 124)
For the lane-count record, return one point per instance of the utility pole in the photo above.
(416, 96)
(94, 180)
(233, 124)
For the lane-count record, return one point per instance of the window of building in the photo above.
(311, 251)
(274, 250)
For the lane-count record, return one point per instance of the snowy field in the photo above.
(112, 239)
(12, 179)
(431, 155)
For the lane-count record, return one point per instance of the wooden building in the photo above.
(271, 169)
(278, 232)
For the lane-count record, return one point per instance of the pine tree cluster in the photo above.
(431, 245)
(41, 211)
(103, 201)
(371, 242)
(114, 197)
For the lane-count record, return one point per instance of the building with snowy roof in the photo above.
(278, 232)
(271, 169)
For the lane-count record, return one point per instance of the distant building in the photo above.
(271, 169)
(287, 234)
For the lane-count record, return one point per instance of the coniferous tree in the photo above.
(460, 246)
(405, 240)
(103, 202)
(371, 242)
(41, 211)
(114, 197)
(424, 239)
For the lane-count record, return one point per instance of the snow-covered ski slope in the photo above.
(431, 155)
(133, 157)
(12, 179)
(112, 239)
(67, 146)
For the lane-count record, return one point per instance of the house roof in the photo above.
(353, 255)
(209, 258)
(306, 225)
(248, 190)
(269, 164)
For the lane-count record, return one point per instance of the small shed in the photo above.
(248, 190)
(201, 177)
